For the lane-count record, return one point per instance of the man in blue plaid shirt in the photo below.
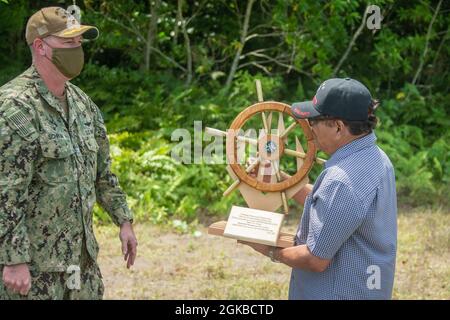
(346, 243)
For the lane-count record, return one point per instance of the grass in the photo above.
(181, 266)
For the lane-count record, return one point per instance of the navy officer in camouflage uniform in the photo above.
(54, 166)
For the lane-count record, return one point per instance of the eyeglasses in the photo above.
(314, 121)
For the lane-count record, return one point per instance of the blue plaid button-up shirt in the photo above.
(350, 217)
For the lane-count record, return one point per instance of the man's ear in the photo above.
(339, 126)
(342, 129)
(38, 47)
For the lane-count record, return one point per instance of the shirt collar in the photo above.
(44, 92)
(350, 148)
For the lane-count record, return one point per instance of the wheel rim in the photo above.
(240, 172)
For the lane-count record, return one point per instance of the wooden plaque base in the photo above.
(285, 240)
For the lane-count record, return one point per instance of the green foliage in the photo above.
(137, 72)
(158, 187)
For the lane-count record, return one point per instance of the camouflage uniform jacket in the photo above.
(51, 174)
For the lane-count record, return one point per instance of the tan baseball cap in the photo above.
(58, 22)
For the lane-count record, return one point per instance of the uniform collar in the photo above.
(49, 97)
(350, 148)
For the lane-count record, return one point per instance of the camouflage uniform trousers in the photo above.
(54, 285)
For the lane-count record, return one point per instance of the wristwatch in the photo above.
(272, 254)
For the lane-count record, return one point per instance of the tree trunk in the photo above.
(187, 43)
(424, 54)
(151, 32)
(178, 20)
(237, 56)
(351, 44)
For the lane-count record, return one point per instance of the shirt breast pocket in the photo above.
(90, 155)
(57, 165)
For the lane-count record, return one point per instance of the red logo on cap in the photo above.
(300, 113)
(314, 101)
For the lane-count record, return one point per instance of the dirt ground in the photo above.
(182, 266)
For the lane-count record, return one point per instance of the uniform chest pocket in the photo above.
(57, 164)
(90, 147)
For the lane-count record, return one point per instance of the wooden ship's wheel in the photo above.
(271, 146)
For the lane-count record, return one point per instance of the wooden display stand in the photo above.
(257, 193)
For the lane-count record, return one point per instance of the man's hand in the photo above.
(17, 278)
(295, 257)
(129, 243)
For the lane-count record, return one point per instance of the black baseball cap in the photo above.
(346, 99)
